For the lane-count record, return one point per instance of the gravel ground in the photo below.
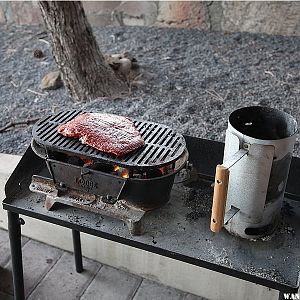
(197, 78)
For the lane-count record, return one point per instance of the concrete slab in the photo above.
(5, 248)
(6, 281)
(151, 290)
(112, 284)
(38, 259)
(63, 282)
(8, 163)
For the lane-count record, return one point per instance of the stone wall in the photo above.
(266, 17)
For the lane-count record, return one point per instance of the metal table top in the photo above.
(180, 229)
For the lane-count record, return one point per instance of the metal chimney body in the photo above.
(257, 181)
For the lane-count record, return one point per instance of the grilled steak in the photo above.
(105, 132)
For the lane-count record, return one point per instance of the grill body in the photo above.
(146, 194)
(163, 148)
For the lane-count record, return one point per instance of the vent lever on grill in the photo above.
(84, 170)
(109, 199)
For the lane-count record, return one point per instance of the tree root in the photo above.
(15, 123)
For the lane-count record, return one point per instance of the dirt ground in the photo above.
(195, 79)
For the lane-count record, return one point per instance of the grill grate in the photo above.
(163, 145)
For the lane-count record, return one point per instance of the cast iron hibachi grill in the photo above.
(121, 187)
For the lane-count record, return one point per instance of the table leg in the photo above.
(77, 250)
(14, 231)
(280, 296)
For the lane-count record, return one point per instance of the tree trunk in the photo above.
(84, 70)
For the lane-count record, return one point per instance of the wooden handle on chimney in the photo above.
(219, 198)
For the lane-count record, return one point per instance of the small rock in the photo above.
(37, 53)
(125, 66)
(113, 60)
(52, 81)
(122, 62)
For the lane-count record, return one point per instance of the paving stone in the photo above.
(150, 290)
(193, 297)
(4, 296)
(5, 248)
(48, 275)
(38, 259)
(6, 281)
(63, 282)
(112, 284)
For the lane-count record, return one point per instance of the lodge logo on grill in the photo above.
(86, 184)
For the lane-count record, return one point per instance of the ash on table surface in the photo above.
(199, 199)
(198, 78)
(265, 273)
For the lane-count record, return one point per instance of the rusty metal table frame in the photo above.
(210, 153)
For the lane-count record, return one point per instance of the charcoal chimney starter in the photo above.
(258, 150)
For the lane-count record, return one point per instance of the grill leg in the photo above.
(14, 231)
(77, 250)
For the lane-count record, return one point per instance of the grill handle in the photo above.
(219, 198)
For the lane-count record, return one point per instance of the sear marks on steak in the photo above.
(105, 132)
